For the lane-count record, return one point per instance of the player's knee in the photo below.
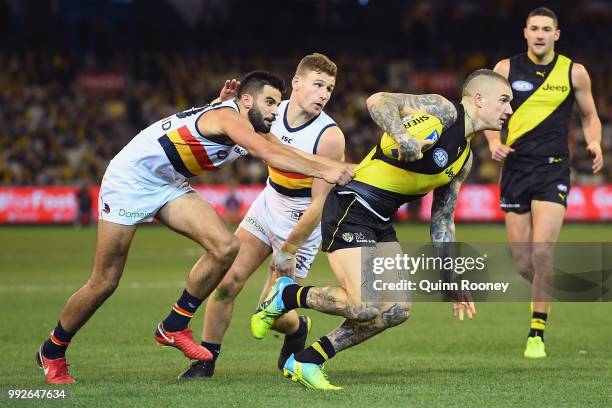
(226, 250)
(542, 255)
(103, 287)
(228, 289)
(525, 269)
(224, 293)
(395, 314)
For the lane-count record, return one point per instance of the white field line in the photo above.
(58, 287)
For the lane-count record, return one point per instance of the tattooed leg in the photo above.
(351, 333)
(344, 300)
(335, 301)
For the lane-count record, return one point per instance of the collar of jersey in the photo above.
(550, 64)
(295, 129)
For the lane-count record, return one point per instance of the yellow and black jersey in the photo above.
(382, 183)
(542, 105)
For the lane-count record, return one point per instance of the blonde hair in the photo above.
(318, 63)
(479, 78)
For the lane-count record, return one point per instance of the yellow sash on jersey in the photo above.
(292, 181)
(380, 174)
(543, 102)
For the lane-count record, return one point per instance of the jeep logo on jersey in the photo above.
(221, 154)
(559, 88)
(440, 157)
(434, 136)
(522, 86)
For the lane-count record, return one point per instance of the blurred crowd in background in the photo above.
(79, 79)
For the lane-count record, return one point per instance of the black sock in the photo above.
(320, 351)
(182, 312)
(56, 345)
(300, 332)
(538, 324)
(214, 348)
(294, 296)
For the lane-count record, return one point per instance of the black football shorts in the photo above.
(519, 188)
(346, 223)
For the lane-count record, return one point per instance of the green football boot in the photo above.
(535, 348)
(270, 309)
(308, 374)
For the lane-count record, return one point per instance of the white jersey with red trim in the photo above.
(304, 137)
(279, 207)
(173, 148)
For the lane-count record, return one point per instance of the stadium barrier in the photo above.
(478, 203)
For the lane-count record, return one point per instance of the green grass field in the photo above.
(430, 361)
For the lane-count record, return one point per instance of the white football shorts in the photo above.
(132, 194)
(272, 217)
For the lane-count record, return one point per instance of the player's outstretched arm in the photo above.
(331, 147)
(239, 129)
(591, 125)
(326, 160)
(442, 232)
(387, 110)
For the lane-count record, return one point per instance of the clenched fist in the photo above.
(340, 174)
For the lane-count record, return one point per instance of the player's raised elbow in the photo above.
(375, 99)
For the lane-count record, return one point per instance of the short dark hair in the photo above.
(254, 81)
(480, 74)
(545, 12)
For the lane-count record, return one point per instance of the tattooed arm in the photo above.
(387, 110)
(442, 227)
(442, 232)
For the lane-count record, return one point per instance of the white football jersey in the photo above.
(174, 145)
(304, 137)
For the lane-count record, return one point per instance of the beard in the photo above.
(257, 120)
